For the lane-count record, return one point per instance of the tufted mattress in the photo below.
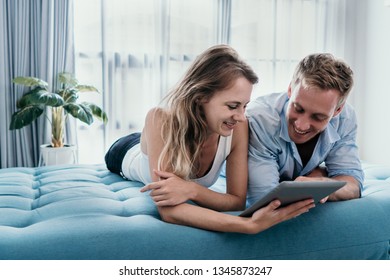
(86, 212)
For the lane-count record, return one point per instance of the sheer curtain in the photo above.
(275, 35)
(36, 40)
(135, 51)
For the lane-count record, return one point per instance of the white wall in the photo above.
(369, 50)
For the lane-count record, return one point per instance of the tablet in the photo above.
(292, 191)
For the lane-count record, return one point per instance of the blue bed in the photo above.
(86, 212)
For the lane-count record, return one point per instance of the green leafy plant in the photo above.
(63, 102)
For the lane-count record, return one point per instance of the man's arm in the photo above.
(263, 164)
(263, 176)
(350, 191)
(265, 144)
(343, 161)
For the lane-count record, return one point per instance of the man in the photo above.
(308, 133)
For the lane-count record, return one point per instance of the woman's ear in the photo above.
(202, 100)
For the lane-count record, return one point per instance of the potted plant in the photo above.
(62, 103)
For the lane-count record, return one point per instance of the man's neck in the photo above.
(306, 149)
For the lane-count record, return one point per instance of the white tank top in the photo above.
(135, 164)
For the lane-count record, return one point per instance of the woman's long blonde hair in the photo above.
(185, 127)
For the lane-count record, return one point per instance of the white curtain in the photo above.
(136, 50)
(275, 34)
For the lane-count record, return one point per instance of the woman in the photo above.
(184, 144)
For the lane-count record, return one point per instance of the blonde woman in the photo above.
(185, 142)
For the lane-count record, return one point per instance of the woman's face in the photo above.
(227, 107)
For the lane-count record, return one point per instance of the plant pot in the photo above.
(55, 156)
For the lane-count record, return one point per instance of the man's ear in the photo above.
(289, 90)
(338, 110)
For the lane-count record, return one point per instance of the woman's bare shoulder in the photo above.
(155, 116)
(151, 132)
(154, 121)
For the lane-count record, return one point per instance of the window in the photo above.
(134, 51)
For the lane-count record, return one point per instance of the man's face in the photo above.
(309, 111)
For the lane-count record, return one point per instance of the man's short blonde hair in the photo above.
(324, 71)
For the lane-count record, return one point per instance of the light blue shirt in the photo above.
(273, 157)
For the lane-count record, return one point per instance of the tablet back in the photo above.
(292, 191)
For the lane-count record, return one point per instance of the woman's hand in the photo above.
(271, 215)
(170, 190)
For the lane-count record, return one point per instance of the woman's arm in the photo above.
(168, 189)
(171, 190)
(236, 176)
(262, 219)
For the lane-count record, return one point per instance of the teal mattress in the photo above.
(86, 212)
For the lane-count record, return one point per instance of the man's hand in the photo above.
(320, 171)
(350, 191)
